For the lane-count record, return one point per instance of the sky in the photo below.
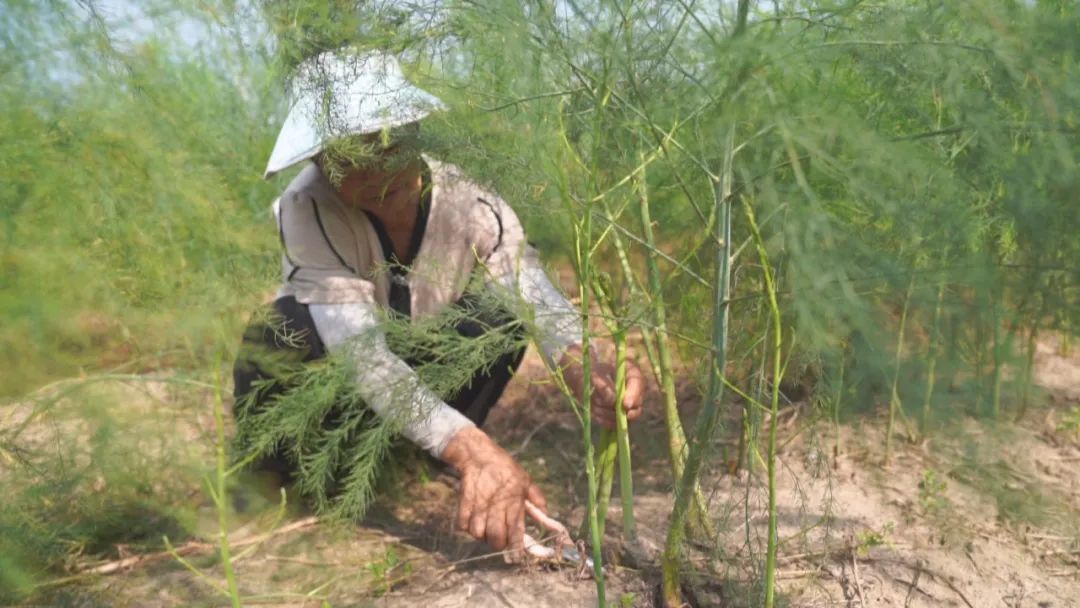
(49, 36)
(132, 21)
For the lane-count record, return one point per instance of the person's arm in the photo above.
(386, 383)
(493, 486)
(557, 325)
(556, 321)
(514, 266)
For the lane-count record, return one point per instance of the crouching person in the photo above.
(376, 236)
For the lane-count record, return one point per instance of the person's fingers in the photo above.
(606, 420)
(496, 529)
(603, 388)
(607, 412)
(634, 393)
(536, 497)
(478, 524)
(515, 521)
(465, 508)
(603, 413)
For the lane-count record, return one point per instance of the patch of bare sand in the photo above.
(1057, 373)
(979, 517)
(405, 553)
(912, 533)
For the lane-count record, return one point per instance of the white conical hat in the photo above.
(345, 93)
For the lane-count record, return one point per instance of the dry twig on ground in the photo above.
(127, 563)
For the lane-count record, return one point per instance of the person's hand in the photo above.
(603, 386)
(493, 491)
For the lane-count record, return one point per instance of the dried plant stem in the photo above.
(189, 548)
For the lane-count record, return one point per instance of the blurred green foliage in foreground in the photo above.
(132, 213)
(914, 156)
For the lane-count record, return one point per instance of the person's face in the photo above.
(369, 168)
(372, 157)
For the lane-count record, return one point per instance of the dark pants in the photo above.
(275, 347)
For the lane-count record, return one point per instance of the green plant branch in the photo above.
(770, 286)
(709, 415)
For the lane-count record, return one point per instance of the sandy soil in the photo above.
(977, 517)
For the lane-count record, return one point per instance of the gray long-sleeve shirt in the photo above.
(334, 262)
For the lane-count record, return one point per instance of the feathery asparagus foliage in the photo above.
(930, 145)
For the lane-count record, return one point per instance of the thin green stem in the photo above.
(199, 574)
(770, 287)
(998, 353)
(1029, 369)
(219, 493)
(932, 348)
(894, 399)
(583, 249)
(606, 457)
(837, 401)
(585, 264)
(622, 436)
(709, 415)
(676, 434)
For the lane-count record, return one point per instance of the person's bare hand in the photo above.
(603, 386)
(493, 491)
